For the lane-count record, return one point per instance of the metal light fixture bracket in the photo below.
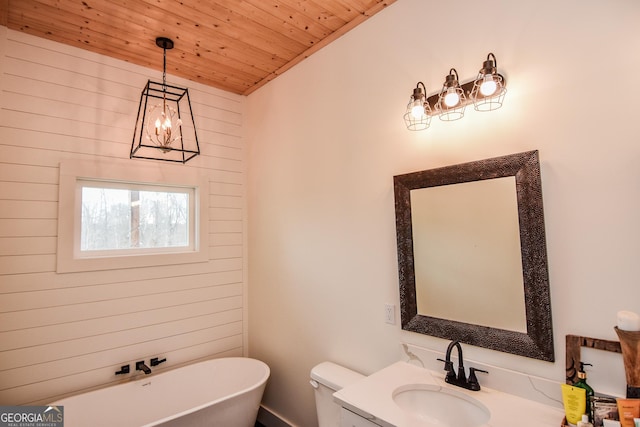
(165, 130)
(164, 43)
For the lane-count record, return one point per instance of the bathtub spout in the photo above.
(141, 366)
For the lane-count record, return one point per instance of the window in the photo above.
(112, 217)
(134, 218)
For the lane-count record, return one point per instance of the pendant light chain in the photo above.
(164, 80)
(164, 68)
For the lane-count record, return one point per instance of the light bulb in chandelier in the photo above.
(163, 119)
(163, 124)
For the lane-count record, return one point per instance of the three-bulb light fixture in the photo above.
(486, 93)
(165, 129)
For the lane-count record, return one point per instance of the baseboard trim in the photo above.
(268, 418)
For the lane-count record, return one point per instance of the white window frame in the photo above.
(71, 259)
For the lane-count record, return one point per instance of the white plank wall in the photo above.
(62, 334)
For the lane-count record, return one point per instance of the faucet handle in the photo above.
(473, 380)
(448, 366)
(124, 369)
(156, 361)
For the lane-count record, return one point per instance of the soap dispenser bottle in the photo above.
(582, 383)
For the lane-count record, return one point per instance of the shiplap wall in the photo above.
(62, 334)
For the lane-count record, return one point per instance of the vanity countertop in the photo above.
(372, 398)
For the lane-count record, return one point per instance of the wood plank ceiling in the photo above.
(234, 45)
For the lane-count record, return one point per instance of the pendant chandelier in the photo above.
(165, 129)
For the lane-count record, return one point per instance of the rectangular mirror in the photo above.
(472, 255)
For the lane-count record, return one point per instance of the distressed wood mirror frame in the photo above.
(537, 342)
(573, 357)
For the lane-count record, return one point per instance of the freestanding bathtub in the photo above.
(222, 392)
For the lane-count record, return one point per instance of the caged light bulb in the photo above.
(451, 99)
(417, 109)
(488, 86)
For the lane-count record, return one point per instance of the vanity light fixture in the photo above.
(165, 129)
(486, 93)
(418, 115)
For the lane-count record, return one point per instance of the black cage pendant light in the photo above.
(165, 129)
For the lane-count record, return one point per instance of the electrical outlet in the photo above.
(390, 314)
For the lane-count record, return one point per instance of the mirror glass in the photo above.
(472, 254)
(459, 230)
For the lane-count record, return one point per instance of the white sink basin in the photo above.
(441, 407)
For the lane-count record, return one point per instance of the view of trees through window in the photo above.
(132, 218)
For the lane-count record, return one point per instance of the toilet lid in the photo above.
(334, 376)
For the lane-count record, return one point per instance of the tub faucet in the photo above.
(460, 379)
(124, 369)
(141, 366)
(156, 361)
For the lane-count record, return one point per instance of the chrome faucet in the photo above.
(460, 379)
(141, 366)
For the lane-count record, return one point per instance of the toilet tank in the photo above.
(326, 379)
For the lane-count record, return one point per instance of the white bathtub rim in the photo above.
(260, 383)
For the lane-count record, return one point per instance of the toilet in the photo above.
(326, 379)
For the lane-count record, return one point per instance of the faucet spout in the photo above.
(461, 378)
(141, 366)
